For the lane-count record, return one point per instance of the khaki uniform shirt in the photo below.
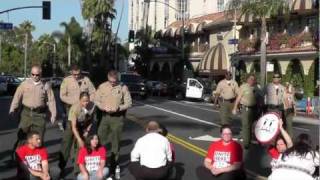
(274, 94)
(34, 95)
(70, 89)
(113, 97)
(79, 114)
(249, 95)
(289, 101)
(227, 89)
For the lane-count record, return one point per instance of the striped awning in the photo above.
(192, 28)
(158, 34)
(200, 26)
(215, 61)
(178, 31)
(169, 32)
(301, 5)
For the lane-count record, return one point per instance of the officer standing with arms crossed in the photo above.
(34, 96)
(70, 90)
(274, 96)
(227, 89)
(113, 99)
(247, 99)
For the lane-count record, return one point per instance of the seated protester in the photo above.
(298, 162)
(151, 156)
(282, 143)
(223, 160)
(163, 131)
(33, 160)
(92, 160)
(81, 117)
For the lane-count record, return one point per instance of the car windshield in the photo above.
(131, 78)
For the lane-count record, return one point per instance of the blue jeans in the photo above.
(93, 174)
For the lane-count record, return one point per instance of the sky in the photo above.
(61, 11)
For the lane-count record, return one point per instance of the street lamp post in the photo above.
(25, 55)
(183, 16)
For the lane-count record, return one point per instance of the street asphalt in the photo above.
(191, 125)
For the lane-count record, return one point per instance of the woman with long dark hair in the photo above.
(92, 160)
(281, 144)
(298, 162)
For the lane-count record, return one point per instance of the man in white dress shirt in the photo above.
(151, 156)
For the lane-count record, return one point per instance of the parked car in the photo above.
(12, 84)
(195, 89)
(3, 85)
(135, 83)
(54, 81)
(157, 88)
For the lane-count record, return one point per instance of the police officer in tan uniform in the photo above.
(70, 90)
(247, 100)
(35, 97)
(113, 100)
(274, 95)
(227, 90)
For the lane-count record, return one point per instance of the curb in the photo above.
(306, 120)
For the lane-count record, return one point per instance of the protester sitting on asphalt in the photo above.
(92, 160)
(151, 156)
(282, 143)
(298, 162)
(164, 131)
(33, 160)
(223, 160)
(81, 116)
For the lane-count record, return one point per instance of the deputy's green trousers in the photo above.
(247, 117)
(66, 146)
(30, 121)
(225, 112)
(288, 116)
(109, 132)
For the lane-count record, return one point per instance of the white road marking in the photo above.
(302, 129)
(196, 107)
(199, 103)
(182, 115)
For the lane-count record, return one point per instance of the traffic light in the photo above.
(131, 36)
(46, 10)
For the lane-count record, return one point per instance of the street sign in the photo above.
(6, 26)
(233, 41)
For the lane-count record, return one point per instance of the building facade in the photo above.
(159, 14)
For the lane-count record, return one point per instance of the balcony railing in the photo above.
(281, 42)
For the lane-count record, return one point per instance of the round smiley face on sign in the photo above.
(267, 127)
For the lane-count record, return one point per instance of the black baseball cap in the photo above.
(276, 75)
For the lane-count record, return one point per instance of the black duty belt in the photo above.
(229, 100)
(250, 107)
(272, 106)
(119, 113)
(37, 109)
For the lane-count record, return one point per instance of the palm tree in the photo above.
(102, 13)
(260, 9)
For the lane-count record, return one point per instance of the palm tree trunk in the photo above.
(69, 51)
(263, 58)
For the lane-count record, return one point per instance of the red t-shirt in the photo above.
(273, 152)
(32, 157)
(224, 155)
(92, 161)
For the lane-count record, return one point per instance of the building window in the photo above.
(183, 9)
(220, 5)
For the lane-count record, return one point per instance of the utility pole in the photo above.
(0, 47)
(54, 60)
(25, 54)
(69, 51)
